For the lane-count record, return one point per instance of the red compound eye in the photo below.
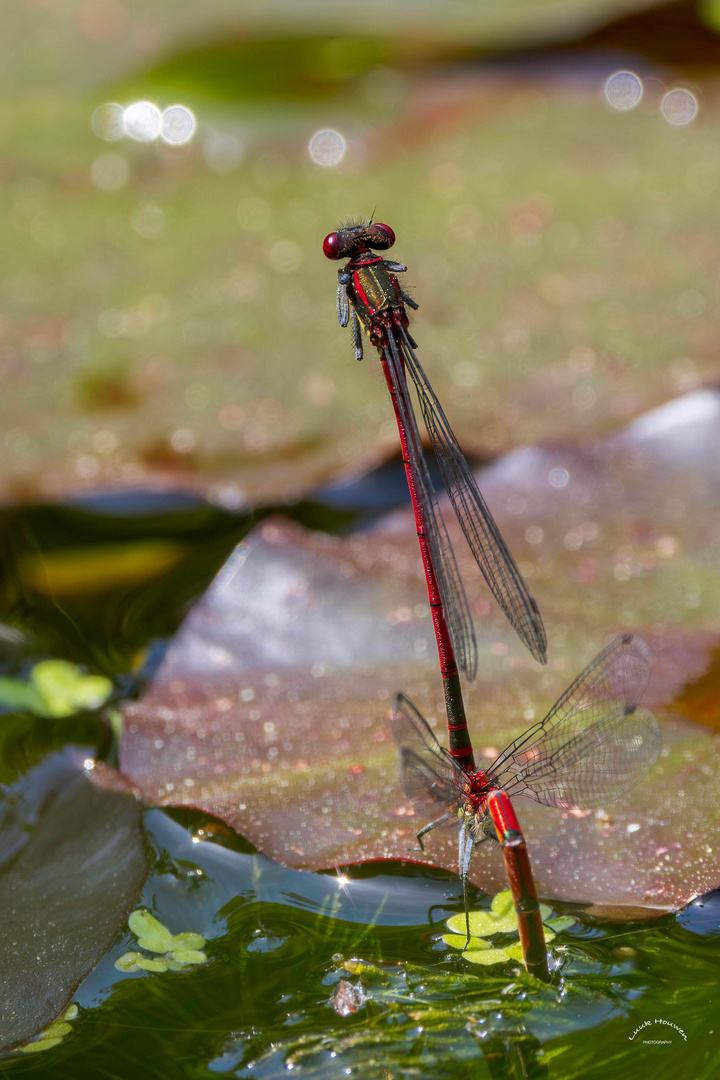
(331, 246)
(388, 230)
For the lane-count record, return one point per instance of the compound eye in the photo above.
(386, 229)
(331, 246)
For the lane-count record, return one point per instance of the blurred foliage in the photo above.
(167, 314)
(182, 327)
(55, 688)
(73, 43)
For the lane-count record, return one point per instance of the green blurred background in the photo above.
(166, 315)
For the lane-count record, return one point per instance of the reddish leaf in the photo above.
(270, 709)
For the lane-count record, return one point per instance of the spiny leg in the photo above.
(432, 825)
(409, 300)
(356, 336)
(465, 850)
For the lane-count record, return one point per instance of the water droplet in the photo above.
(623, 91)
(141, 121)
(177, 125)
(679, 107)
(107, 121)
(327, 147)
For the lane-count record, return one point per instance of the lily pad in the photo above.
(66, 887)
(185, 320)
(270, 708)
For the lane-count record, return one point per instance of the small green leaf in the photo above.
(71, 1013)
(146, 964)
(189, 956)
(487, 957)
(186, 941)
(457, 941)
(563, 922)
(65, 689)
(57, 1030)
(483, 923)
(545, 912)
(502, 903)
(22, 696)
(155, 943)
(515, 952)
(128, 961)
(149, 931)
(40, 1044)
(172, 965)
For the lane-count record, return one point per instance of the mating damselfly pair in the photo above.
(597, 741)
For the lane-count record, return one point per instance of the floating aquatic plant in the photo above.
(499, 919)
(55, 689)
(53, 1034)
(173, 952)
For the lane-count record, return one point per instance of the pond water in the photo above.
(322, 975)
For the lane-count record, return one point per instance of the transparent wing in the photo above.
(455, 603)
(596, 742)
(482, 534)
(430, 776)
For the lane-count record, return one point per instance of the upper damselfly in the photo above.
(371, 297)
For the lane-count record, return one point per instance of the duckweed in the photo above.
(174, 952)
(52, 1035)
(500, 919)
(55, 689)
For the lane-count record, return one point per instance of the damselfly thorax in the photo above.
(375, 295)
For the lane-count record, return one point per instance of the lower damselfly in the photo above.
(593, 747)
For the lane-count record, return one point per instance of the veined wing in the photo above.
(430, 776)
(596, 742)
(455, 604)
(482, 534)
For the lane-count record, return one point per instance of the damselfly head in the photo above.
(347, 242)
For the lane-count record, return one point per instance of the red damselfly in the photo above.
(521, 881)
(593, 746)
(370, 295)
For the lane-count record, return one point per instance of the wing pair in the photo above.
(593, 746)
